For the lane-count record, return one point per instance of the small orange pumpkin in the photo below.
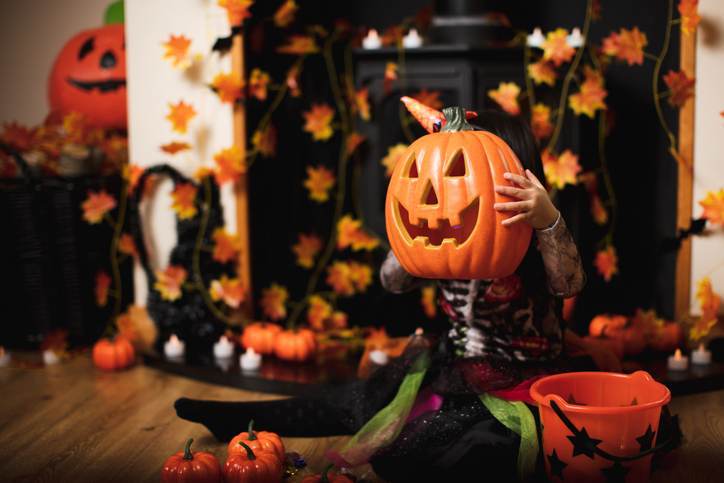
(257, 441)
(439, 209)
(185, 466)
(112, 355)
(260, 337)
(295, 345)
(606, 325)
(327, 477)
(667, 338)
(259, 466)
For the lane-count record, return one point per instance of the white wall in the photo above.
(708, 252)
(152, 84)
(32, 32)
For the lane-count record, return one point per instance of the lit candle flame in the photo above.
(174, 339)
(701, 347)
(677, 354)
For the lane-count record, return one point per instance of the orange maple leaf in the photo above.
(338, 320)
(427, 300)
(230, 290)
(318, 311)
(598, 211)
(226, 246)
(590, 98)
(258, 82)
(265, 141)
(542, 72)
(681, 86)
(17, 136)
(713, 205)
(339, 277)
(394, 153)
(179, 115)
(702, 326)
(184, 200)
(127, 246)
(132, 174)
(96, 205)
(362, 104)
(390, 76)
(541, 121)
(429, 98)
(351, 234)
(361, 275)
(103, 283)
(319, 121)
(626, 45)
(236, 10)
(353, 141)
(137, 326)
(306, 249)
(689, 11)
(556, 48)
(319, 181)
(177, 51)
(561, 170)
(709, 301)
(273, 301)
(175, 147)
(285, 13)
(506, 95)
(299, 45)
(228, 86)
(169, 282)
(606, 262)
(230, 164)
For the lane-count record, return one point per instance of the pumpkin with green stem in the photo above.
(186, 466)
(257, 440)
(251, 466)
(327, 477)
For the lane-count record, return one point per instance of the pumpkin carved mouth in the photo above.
(438, 232)
(109, 85)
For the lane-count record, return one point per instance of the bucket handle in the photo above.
(602, 453)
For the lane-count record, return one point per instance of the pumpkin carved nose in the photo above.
(429, 196)
(108, 60)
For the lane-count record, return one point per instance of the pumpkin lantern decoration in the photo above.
(89, 75)
(257, 441)
(186, 465)
(113, 355)
(439, 209)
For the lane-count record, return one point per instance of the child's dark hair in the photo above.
(515, 131)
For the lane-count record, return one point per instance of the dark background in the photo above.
(643, 173)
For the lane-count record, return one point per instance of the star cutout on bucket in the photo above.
(583, 443)
(646, 441)
(615, 473)
(557, 465)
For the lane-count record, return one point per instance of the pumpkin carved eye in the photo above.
(411, 168)
(86, 48)
(457, 166)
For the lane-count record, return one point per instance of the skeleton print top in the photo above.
(510, 318)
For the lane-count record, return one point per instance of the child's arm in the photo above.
(560, 255)
(394, 278)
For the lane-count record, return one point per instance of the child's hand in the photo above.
(535, 207)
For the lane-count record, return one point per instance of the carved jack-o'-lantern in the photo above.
(439, 209)
(89, 77)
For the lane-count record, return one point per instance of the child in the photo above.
(503, 332)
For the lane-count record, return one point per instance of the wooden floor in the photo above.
(72, 423)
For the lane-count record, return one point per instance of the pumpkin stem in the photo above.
(250, 430)
(249, 453)
(188, 455)
(455, 120)
(325, 476)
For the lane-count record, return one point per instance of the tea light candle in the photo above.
(372, 40)
(412, 40)
(536, 39)
(379, 357)
(575, 39)
(223, 349)
(4, 357)
(250, 360)
(174, 348)
(701, 356)
(678, 362)
(50, 357)
(419, 331)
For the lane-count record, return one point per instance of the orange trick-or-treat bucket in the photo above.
(599, 426)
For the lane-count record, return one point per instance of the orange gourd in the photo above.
(667, 338)
(439, 209)
(185, 466)
(113, 355)
(295, 345)
(89, 77)
(259, 466)
(260, 337)
(327, 477)
(606, 325)
(257, 441)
